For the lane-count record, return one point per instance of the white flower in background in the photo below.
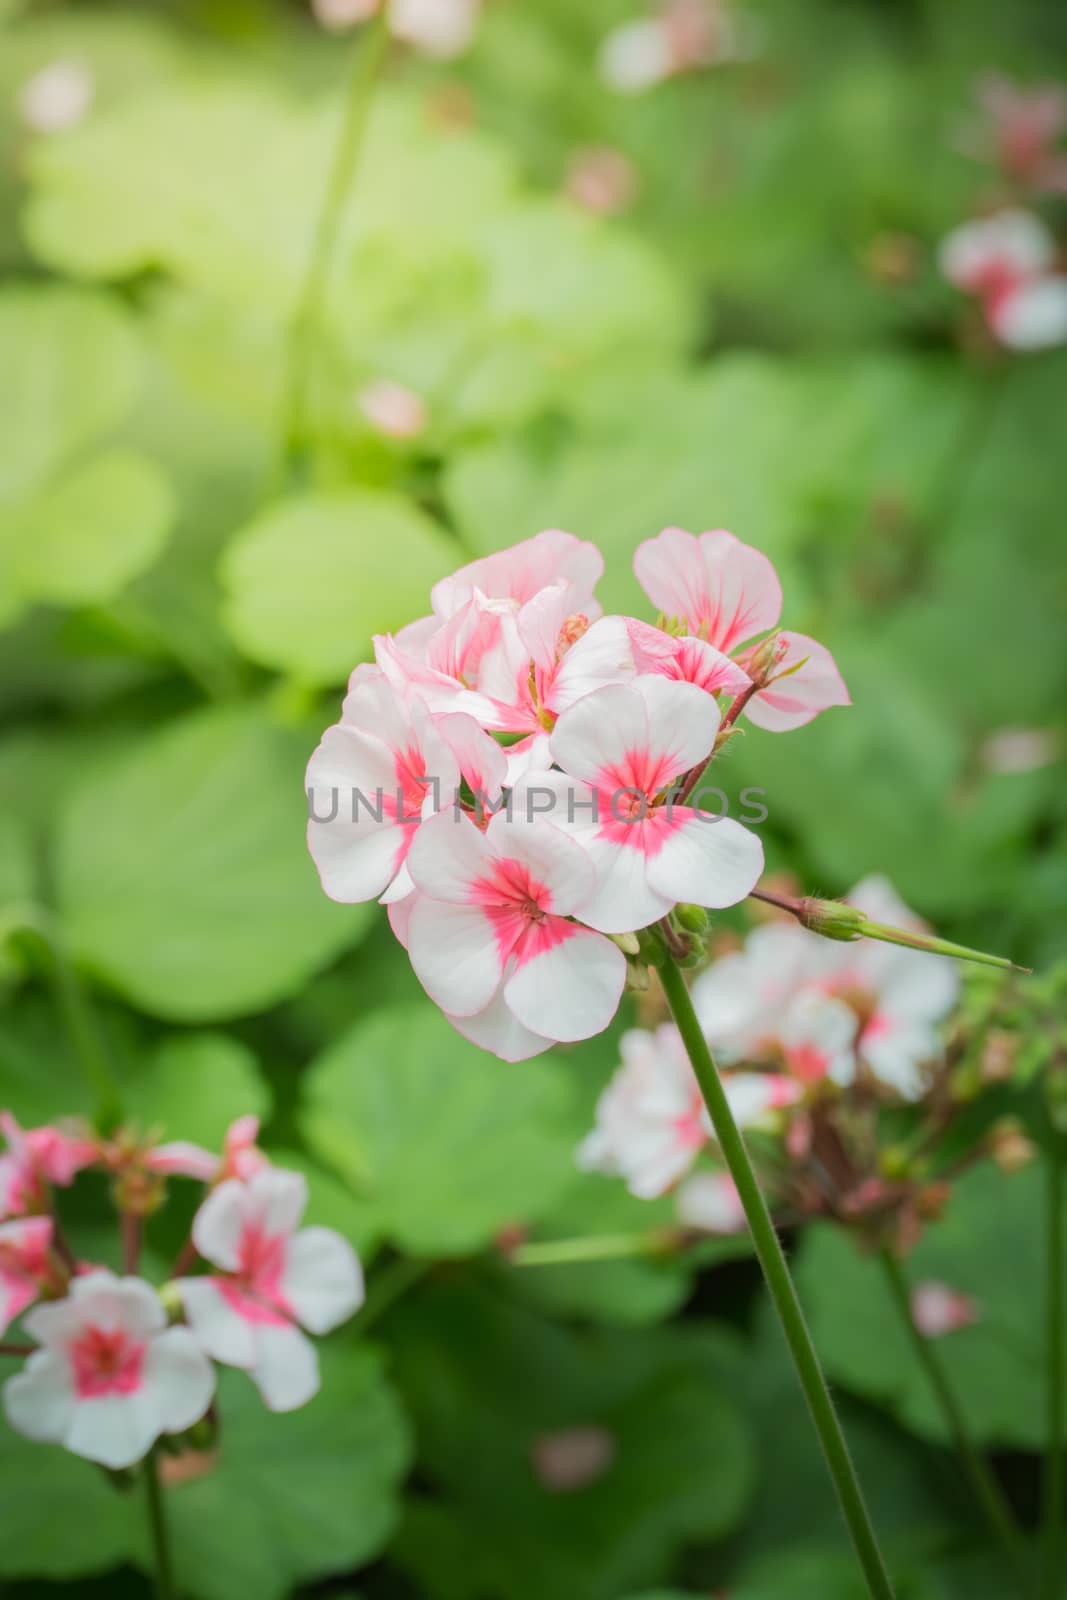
(937, 1310)
(650, 1120)
(337, 16)
(685, 36)
(275, 1280)
(818, 1038)
(395, 411)
(709, 1201)
(1007, 261)
(442, 28)
(57, 97)
(110, 1376)
(636, 56)
(742, 998)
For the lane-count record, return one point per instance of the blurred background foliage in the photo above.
(761, 341)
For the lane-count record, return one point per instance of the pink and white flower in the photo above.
(276, 1278)
(623, 749)
(393, 410)
(38, 1159)
(709, 1202)
(1008, 262)
(25, 1265)
(490, 935)
(651, 1122)
(441, 28)
(937, 1310)
(110, 1376)
(687, 35)
(727, 593)
(241, 1157)
(1021, 132)
(377, 773)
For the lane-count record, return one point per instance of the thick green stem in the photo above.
(1055, 1482)
(780, 1283)
(606, 1247)
(157, 1527)
(306, 330)
(986, 1489)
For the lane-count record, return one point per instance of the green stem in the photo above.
(986, 1489)
(157, 1526)
(780, 1284)
(1055, 1479)
(305, 332)
(607, 1247)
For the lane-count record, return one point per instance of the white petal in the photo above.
(322, 1281)
(711, 862)
(352, 775)
(455, 955)
(597, 733)
(179, 1378)
(39, 1400)
(571, 990)
(217, 1327)
(116, 1430)
(602, 656)
(219, 1224)
(449, 856)
(499, 1030)
(1034, 316)
(682, 721)
(623, 897)
(286, 1370)
(278, 1199)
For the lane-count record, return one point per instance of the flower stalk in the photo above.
(780, 1284)
(650, 1242)
(986, 1489)
(1055, 1480)
(157, 1528)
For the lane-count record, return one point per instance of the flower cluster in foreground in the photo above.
(1009, 259)
(518, 777)
(119, 1362)
(817, 1039)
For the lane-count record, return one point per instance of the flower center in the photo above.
(106, 1361)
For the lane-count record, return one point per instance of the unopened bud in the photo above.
(766, 657)
(137, 1193)
(1010, 1147)
(895, 1161)
(931, 1200)
(833, 919)
(170, 1299)
(637, 979)
(651, 946)
(998, 1056)
(628, 943)
(693, 918)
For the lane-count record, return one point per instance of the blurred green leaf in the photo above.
(310, 580)
(182, 874)
(443, 1143)
(194, 1085)
(44, 1488)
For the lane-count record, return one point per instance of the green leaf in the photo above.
(79, 540)
(193, 1086)
(829, 1574)
(45, 1489)
(291, 1498)
(70, 363)
(986, 1246)
(443, 1143)
(493, 1388)
(182, 875)
(311, 580)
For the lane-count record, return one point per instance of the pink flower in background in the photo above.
(1007, 261)
(110, 1376)
(395, 411)
(743, 998)
(602, 180)
(727, 593)
(275, 1279)
(685, 36)
(709, 1201)
(374, 776)
(818, 1039)
(491, 923)
(938, 1310)
(25, 1265)
(36, 1160)
(1022, 132)
(623, 748)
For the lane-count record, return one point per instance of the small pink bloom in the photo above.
(688, 659)
(650, 1120)
(111, 1376)
(276, 1279)
(938, 1310)
(602, 180)
(377, 772)
(573, 1458)
(710, 1202)
(726, 593)
(395, 411)
(517, 574)
(241, 1156)
(25, 1266)
(492, 920)
(623, 749)
(1024, 127)
(1007, 260)
(36, 1160)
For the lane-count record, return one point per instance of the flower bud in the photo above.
(833, 919)
(628, 943)
(1009, 1145)
(693, 918)
(761, 664)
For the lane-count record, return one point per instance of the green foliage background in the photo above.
(178, 618)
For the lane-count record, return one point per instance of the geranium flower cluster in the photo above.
(119, 1362)
(517, 776)
(441, 28)
(678, 37)
(814, 1037)
(1009, 259)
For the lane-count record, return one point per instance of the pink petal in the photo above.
(793, 700)
(726, 591)
(182, 1159)
(555, 863)
(519, 572)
